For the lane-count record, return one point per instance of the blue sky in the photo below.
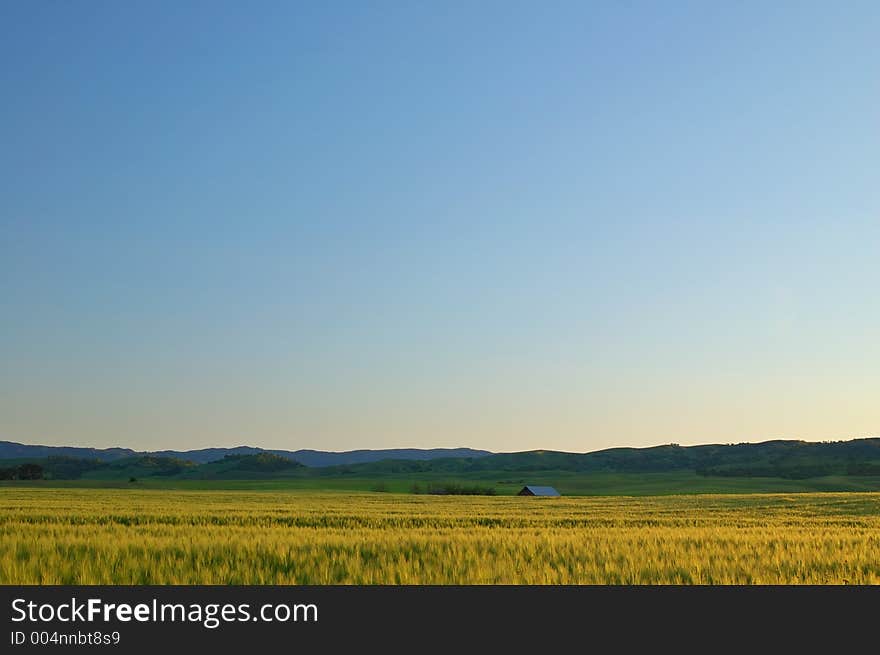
(501, 225)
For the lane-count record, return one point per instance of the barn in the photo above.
(532, 490)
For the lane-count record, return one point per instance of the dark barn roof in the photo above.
(532, 490)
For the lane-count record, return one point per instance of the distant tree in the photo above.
(70, 468)
(30, 472)
(456, 489)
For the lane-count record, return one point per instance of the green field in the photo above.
(187, 536)
(502, 483)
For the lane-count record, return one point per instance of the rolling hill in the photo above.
(784, 459)
(772, 466)
(12, 450)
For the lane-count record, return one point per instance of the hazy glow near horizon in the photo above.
(367, 225)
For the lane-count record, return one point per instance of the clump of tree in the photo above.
(261, 462)
(150, 465)
(453, 489)
(70, 468)
(22, 472)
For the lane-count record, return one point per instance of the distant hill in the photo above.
(790, 460)
(248, 467)
(782, 458)
(322, 458)
(13, 450)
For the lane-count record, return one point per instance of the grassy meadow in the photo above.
(188, 536)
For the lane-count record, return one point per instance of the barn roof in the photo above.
(542, 491)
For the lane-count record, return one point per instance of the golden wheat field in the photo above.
(115, 536)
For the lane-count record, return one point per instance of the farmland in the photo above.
(192, 536)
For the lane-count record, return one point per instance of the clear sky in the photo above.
(501, 225)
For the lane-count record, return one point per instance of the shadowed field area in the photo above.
(116, 536)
